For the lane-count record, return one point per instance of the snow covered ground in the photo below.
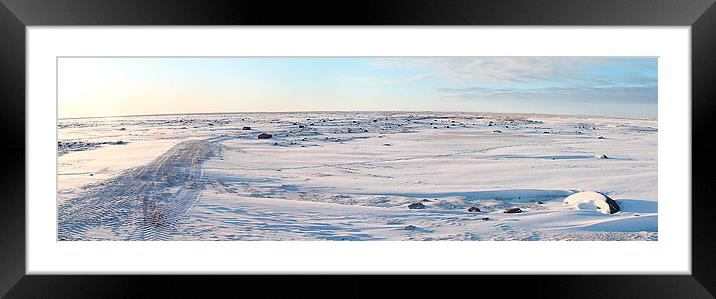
(352, 176)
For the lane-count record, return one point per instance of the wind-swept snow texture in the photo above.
(356, 176)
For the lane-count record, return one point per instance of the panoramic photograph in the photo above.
(357, 148)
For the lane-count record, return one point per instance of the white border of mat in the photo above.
(670, 254)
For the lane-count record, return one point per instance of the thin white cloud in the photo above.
(612, 94)
(516, 69)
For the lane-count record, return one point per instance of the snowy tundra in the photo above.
(356, 176)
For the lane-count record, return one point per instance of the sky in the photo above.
(606, 86)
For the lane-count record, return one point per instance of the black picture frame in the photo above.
(16, 15)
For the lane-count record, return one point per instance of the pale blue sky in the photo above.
(622, 87)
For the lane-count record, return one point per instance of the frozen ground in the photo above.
(352, 176)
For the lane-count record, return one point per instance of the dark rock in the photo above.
(600, 137)
(301, 126)
(264, 136)
(513, 210)
(539, 202)
(485, 218)
(416, 205)
(246, 128)
(120, 142)
(613, 205)
(411, 227)
(497, 131)
(473, 209)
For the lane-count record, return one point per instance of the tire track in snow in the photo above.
(506, 232)
(148, 202)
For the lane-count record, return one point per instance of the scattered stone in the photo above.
(411, 227)
(485, 218)
(416, 205)
(120, 142)
(264, 136)
(426, 200)
(387, 144)
(122, 129)
(513, 210)
(301, 126)
(497, 131)
(540, 203)
(246, 128)
(601, 156)
(473, 209)
(600, 137)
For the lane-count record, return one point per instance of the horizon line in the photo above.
(325, 111)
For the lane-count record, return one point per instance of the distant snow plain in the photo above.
(352, 176)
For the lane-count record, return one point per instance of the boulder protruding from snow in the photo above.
(513, 210)
(416, 205)
(473, 209)
(265, 136)
(601, 156)
(587, 200)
